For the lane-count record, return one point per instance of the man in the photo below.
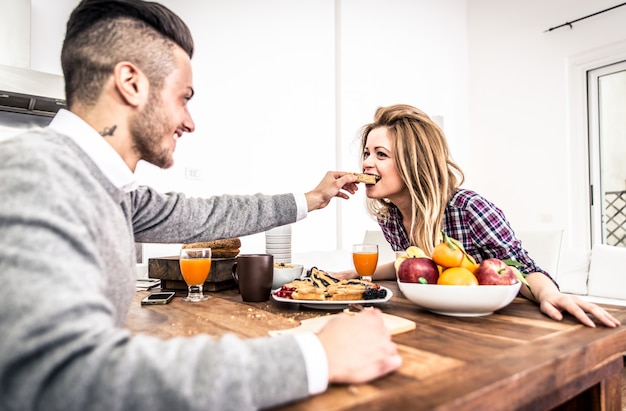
(69, 217)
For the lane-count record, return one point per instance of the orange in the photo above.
(447, 255)
(469, 263)
(457, 276)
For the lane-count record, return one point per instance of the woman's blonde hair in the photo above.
(421, 154)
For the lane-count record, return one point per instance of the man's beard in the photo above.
(147, 130)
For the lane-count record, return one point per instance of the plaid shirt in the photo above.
(477, 223)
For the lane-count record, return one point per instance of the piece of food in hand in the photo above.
(366, 178)
(421, 270)
(493, 271)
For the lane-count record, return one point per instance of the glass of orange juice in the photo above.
(195, 264)
(365, 258)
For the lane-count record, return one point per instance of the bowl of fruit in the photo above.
(450, 282)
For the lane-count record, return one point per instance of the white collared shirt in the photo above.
(94, 145)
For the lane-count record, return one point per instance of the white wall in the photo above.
(283, 87)
(399, 51)
(527, 111)
(303, 77)
(264, 105)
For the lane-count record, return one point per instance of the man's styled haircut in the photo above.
(102, 33)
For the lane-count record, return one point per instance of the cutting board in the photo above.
(394, 324)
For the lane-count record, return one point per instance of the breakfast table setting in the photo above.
(460, 352)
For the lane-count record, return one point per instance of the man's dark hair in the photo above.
(101, 33)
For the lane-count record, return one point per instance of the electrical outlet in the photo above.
(193, 173)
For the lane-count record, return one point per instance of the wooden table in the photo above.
(514, 359)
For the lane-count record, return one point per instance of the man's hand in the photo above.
(331, 186)
(359, 347)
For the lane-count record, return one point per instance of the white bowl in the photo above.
(460, 300)
(284, 275)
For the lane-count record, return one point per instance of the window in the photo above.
(606, 96)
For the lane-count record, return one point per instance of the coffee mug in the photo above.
(254, 274)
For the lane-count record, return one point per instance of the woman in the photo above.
(419, 195)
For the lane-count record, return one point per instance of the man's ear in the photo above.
(131, 83)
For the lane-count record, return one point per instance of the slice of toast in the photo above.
(366, 178)
(227, 243)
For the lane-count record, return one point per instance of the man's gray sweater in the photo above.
(67, 261)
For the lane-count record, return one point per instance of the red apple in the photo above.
(418, 270)
(493, 271)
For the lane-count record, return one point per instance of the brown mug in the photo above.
(254, 274)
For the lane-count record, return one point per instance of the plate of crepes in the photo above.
(322, 291)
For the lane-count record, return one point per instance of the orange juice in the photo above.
(195, 270)
(365, 263)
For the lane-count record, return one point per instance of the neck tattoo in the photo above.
(108, 131)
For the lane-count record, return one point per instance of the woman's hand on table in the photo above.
(553, 302)
(358, 347)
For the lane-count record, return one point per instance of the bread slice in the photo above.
(321, 278)
(345, 292)
(224, 252)
(305, 290)
(322, 286)
(226, 243)
(366, 178)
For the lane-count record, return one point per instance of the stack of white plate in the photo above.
(278, 243)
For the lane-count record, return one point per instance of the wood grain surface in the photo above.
(514, 359)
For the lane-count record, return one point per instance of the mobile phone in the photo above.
(158, 298)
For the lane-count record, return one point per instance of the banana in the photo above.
(415, 252)
(411, 252)
(399, 261)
